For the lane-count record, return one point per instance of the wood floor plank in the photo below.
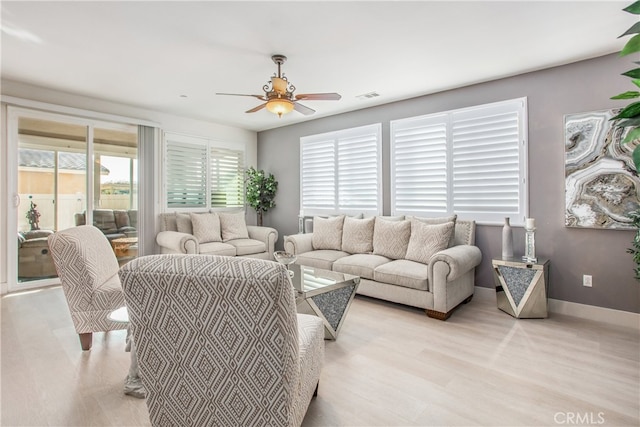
(391, 366)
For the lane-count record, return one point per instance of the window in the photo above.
(200, 173)
(472, 162)
(340, 172)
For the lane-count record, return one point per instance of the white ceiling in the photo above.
(149, 53)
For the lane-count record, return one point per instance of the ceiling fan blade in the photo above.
(302, 109)
(258, 108)
(260, 97)
(319, 96)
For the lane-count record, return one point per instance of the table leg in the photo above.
(132, 383)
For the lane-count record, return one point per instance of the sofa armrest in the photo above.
(267, 235)
(298, 243)
(459, 260)
(174, 242)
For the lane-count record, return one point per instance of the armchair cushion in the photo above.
(206, 227)
(217, 248)
(247, 246)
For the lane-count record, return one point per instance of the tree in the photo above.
(261, 191)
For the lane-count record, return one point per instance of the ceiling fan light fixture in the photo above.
(279, 106)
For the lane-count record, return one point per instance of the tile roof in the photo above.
(44, 159)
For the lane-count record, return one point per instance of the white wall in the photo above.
(166, 122)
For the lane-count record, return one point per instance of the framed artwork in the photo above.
(601, 182)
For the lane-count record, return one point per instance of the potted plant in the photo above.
(630, 117)
(261, 191)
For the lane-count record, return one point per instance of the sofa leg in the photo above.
(315, 392)
(86, 340)
(468, 299)
(438, 315)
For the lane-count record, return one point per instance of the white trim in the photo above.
(583, 311)
(78, 112)
(599, 314)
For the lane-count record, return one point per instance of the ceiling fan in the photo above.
(279, 97)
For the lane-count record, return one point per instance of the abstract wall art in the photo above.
(601, 183)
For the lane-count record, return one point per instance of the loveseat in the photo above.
(114, 223)
(215, 233)
(422, 262)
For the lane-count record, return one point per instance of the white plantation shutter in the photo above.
(419, 165)
(227, 177)
(201, 173)
(318, 174)
(340, 172)
(186, 169)
(486, 163)
(485, 159)
(359, 170)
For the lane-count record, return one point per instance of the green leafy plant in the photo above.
(630, 115)
(635, 250)
(261, 191)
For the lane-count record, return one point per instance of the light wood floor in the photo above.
(391, 366)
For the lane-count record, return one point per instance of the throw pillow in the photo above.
(206, 227)
(357, 235)
(327, 233)
(427, 239)
(439, 220)
(390, 238)
(233, 226)
(434, 221)
(183, 223)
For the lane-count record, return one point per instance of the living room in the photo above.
(609, 307)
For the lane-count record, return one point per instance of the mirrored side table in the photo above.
(521, 287)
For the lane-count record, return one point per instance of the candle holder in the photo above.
(530, 246)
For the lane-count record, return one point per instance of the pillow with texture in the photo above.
(391, 238)
(327, 233)
(183, 223)
(206, 227)
(233, 226)
(357, 235)
(428, 239)
(439, 220)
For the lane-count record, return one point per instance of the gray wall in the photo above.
(552, 93)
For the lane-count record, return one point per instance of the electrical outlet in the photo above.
(587, 280)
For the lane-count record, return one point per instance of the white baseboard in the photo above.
(591, 312)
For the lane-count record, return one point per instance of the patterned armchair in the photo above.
(219, 342)
(88, 270)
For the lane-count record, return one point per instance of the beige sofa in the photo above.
(422, 262)
(215, 233)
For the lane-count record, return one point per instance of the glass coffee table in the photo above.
(325, 294)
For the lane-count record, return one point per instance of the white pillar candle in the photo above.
(530, 223)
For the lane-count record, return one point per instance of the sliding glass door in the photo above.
(68, 171)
